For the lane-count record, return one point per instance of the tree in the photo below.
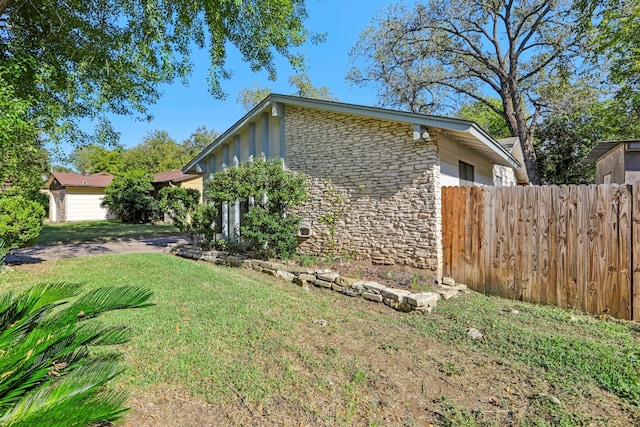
(563, 140)
(249, 98)
(94, 158)
(456, 50)
(613, 27)
(486, 117)
(158, 152)
(130, 197)
(52, 374)
(200, 139)
(23, 159)
(76, 59)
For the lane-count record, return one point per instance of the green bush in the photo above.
(271, 233)
(183, 207)
(50, 376)
(272, 190)
(20, 221)
(203, 226)
(130, 198)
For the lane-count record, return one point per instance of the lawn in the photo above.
(100, 231)
(234, 347)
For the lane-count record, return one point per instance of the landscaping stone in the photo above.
(285, 275)
(307, 277)
(419, 300)
(346, 281)
(448, 281)
(358, 286)
(474, 333)
(329, 277)
(448, 293)
(372, 297)
(269, 271)
(395, 294)
(374, 287)
(337, 287)
(322, 283)
(297, 270)
(300, 282)
(350, 291)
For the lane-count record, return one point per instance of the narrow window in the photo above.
(466, 175)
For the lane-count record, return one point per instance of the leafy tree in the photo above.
(200, 139)
(23, 159)
(563, 140)
(130, 197)
(272, 191)
(51, 375)
(447, 51)
(249, 98)
(486, 117)
(94, 158)
(20, 221)
(613, 27)
(158, 152)
(76, 59)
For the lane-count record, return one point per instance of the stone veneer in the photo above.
(391, 185)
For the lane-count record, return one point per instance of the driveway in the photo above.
(40, 253)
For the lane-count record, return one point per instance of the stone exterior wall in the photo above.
(390, 184)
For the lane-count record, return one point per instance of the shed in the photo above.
(617, 162)
(77, 197)
(389, 165)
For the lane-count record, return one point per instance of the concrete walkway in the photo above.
(40, 253)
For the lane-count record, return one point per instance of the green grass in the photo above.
(99, 231)
(222, 333)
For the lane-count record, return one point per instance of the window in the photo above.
(465, 173)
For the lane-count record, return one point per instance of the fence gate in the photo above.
(575, 247)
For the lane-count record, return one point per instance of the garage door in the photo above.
(85, 206)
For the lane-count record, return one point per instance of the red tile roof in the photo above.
(175, 175)
(97, 180)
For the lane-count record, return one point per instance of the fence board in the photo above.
(635, 254)
(576, 247)
(624, 254)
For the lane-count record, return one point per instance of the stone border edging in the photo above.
(399, 299)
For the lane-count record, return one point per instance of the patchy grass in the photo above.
(100, 231)
(234, 347)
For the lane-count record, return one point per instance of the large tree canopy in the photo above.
(444, 52)
(75, 58)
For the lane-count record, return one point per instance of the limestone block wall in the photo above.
(390, 184)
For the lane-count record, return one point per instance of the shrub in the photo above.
(20, 221)
(203, 226)
(130, 198)
(270, 232)
(183, 207)
(50, 375)
(272, 190)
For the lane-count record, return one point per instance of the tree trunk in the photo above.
(4, 4)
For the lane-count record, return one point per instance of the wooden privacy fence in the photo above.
(575, 247)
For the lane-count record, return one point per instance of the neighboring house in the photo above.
(178, 179)
(505, 175)
(617, 162)
(77, 197)
(389, 165)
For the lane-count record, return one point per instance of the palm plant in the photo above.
(49, 374)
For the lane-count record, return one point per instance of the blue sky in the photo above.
(183, 108)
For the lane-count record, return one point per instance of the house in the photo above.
(505, 175)
(617, 162)
(177, 178)
(77, 197)
(389, 165)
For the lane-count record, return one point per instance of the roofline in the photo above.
(449, 123)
